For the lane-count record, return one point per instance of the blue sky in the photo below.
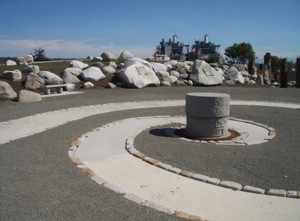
(76, 28)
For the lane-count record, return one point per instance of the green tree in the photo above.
(240, 53)
(39, 55)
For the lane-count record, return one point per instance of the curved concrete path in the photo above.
(176, 191)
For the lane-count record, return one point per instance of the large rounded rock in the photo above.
(11, 63)
(107, 56)
(108, 70)
(26, 96)
(50, 78)
(75, 71)
(14, 75)
(234, 75)
(32, 69)
(33, 82)
(27, 59)
(92, 74)
(78, 64)
(69, 78)
(125, 55)
(138, 73)
(6, 91)
(204, 74)
(157, 67)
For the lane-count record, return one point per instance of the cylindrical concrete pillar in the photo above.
(207, 115)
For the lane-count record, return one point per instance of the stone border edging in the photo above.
(129, 146)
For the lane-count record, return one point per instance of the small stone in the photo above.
(111, 85)
(186, 173)
(231, 185)
(200, 177)
(276, 192)
(214, 181)
(252, 189)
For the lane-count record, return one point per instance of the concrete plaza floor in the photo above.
(39, 181)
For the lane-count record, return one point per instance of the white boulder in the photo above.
(33, 81)
(87, 85)
(26, 96)
(165, 83)
(234, 75)
(172, 79)
(175, 73)
(92, 74)
(125, 55)
(157, 67)
(69, 78)
(50, 78)
(204, 74)
(172, 63)
(138, 73)
(113, 64)
(78, 64)
(108, 70)
(75, 71)
(32, 69)
(162, 74)
(70, 87)
(6, 91)
(14, 75)
(27, 59)
(11, 63)
(107, 56)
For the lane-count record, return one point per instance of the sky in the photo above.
(77, 28)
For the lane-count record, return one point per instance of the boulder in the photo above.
(97, 59)
(234, 75)
(33, 81)
(204, 74)
(157, 67)
(92, 74)
(172, 63)
(87, 85)
(50, 78)
(75, 71)
(162, 74)
(106, 56)
(70, 87)
(32, 69)
(11, 63)
(240, 67)
(175, 73)
(108, 70)
(165, 83)
(69, 78)
(172, 79)
(138, 73)
(111, 85)
(78, 64)
(26, 96)
(6, 91)
(14, 75)
(113, 64)
(27, 59)
(125, 55)
(179, 83)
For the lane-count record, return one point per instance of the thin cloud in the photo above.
(68, 49)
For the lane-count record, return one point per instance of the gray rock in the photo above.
(27, 59)
(233, 74)
(175, 73)
(26, 96)
(92, 74)
(162, 74)
(6, 91)
(32, 69)
(190, 83)
(204, 74)
(14, 75)
(138, 73)
(33, 82)
(172, 63)
(108, 70)
(179, 83)
(125, 55)
(107, 56)
(87, 85)
(97, 59)
(78, 64)
(70, 87)
(165, 83)
(75, 71)
(172, 79)
(113, 64)
(50, 78)
(157, 67)
(11, 63)
(69, 78)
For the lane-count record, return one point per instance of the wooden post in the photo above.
(298, 72)
(283, 74)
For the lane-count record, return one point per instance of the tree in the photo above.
(240, 53)
(39, 55)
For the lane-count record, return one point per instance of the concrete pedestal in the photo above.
(207, 115)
